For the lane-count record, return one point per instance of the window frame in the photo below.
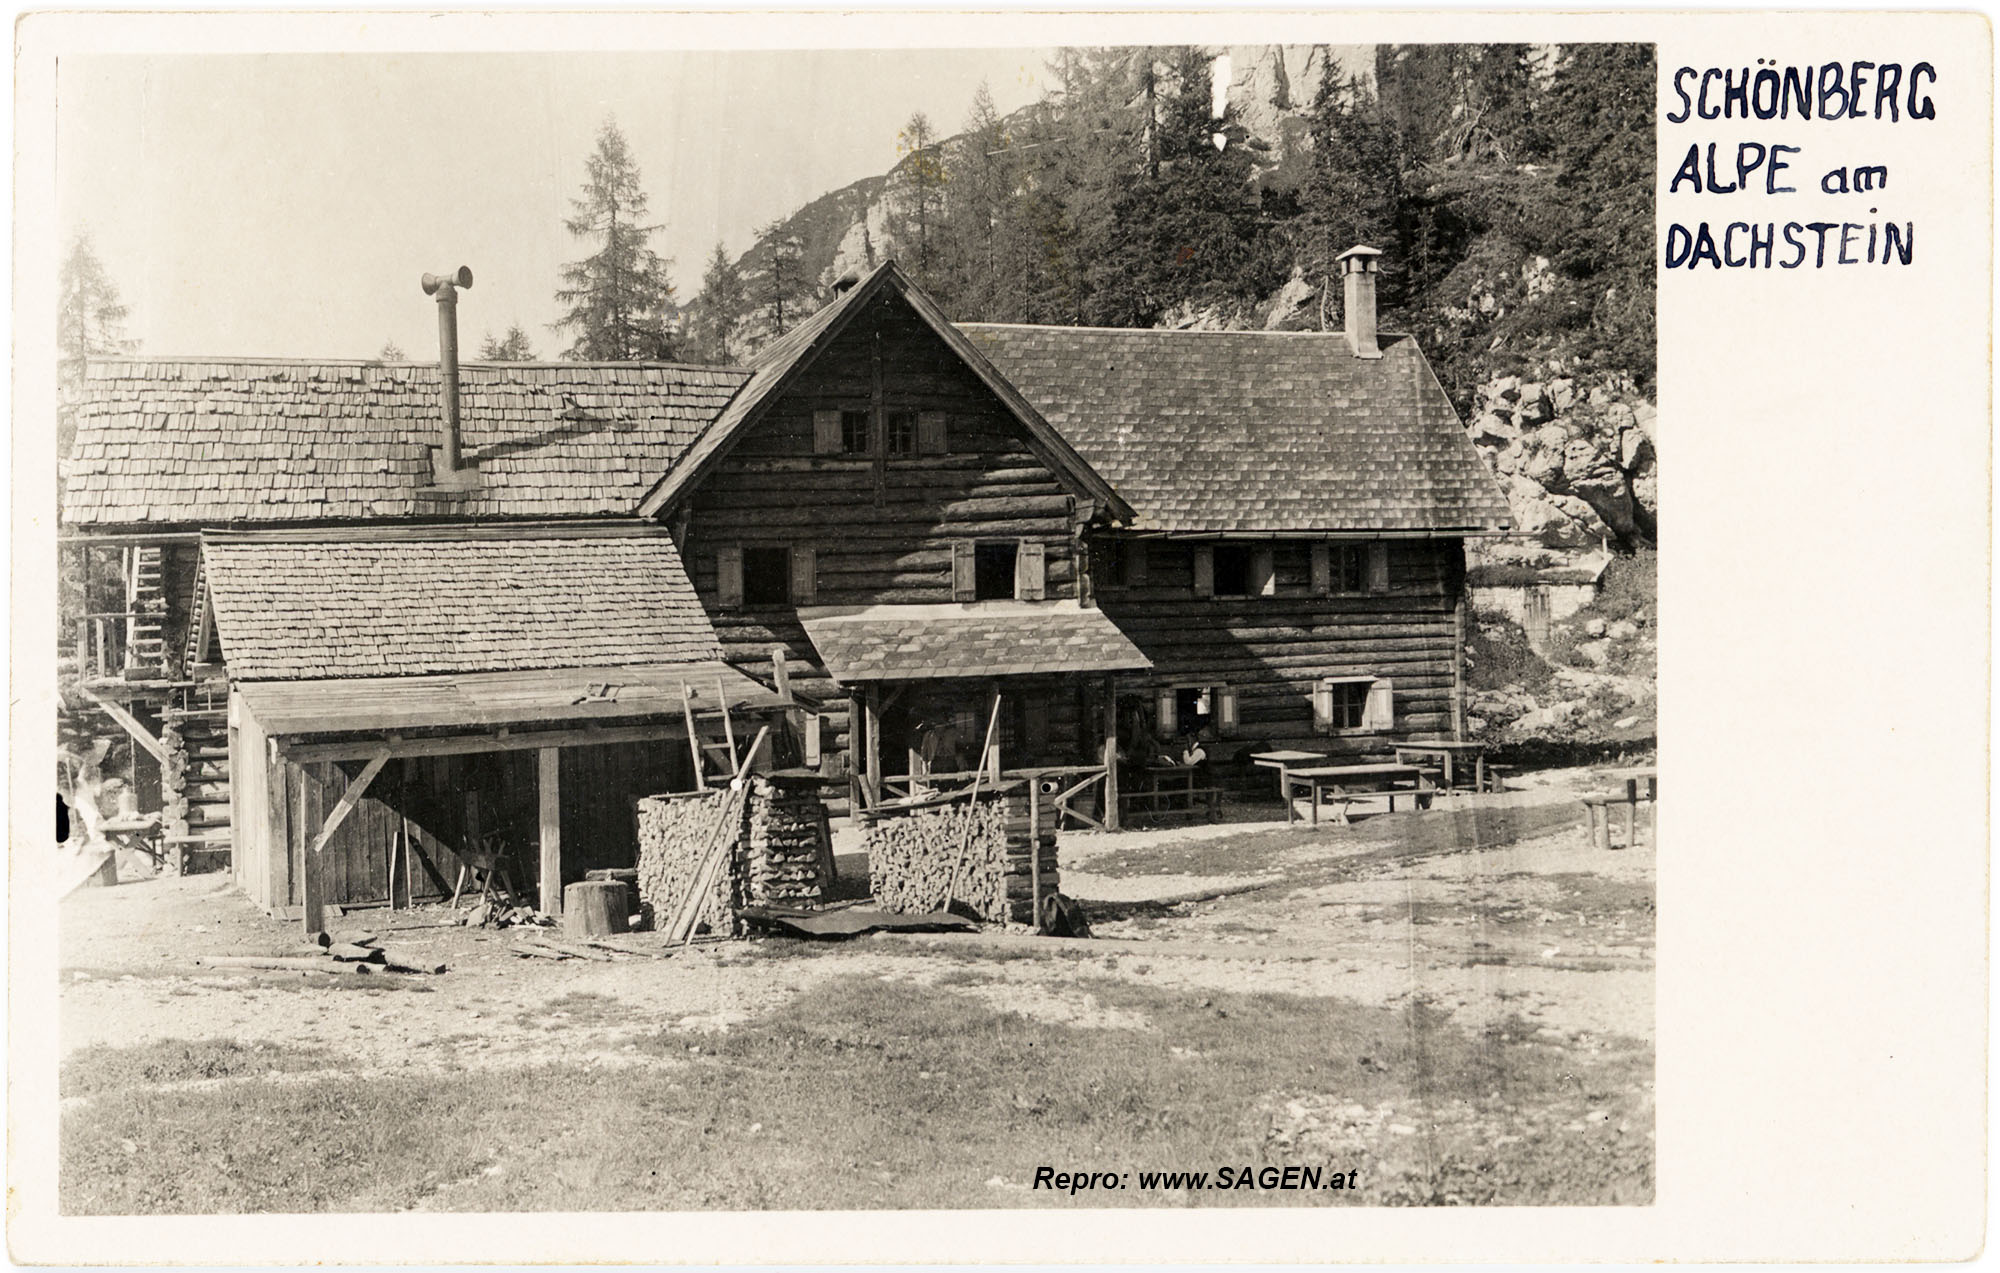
(850, 418)
(903, 424)
(1375, 692)
(1235, 552)
(985, 568)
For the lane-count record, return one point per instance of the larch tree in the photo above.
(513, 347)
(391, 352)
(90, 323)
(919, 228)
(619, 300)
(718, 311)
(782, 293)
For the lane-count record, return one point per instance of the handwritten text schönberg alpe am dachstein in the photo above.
(1859, 90)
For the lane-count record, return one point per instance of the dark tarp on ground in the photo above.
(851, 922)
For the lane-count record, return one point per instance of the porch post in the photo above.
(1110, 753)
(548, 787)
(874, 780)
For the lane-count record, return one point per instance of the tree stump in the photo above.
(595, 908)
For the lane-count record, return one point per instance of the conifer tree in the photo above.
(619, 300)
(513, 347)
(718, 311)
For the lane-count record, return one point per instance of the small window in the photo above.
(902, 433)
(767, 576)
(1232, 571)
(1350, 567)
(854, 432)
(993, 571)
(1347, 702)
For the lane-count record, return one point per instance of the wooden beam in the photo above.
(470, 744)
(350, 798)
(1110, 754)
(874, 754)
(781, 676)
(548, 780)
(129, 722)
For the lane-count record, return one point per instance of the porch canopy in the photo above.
(571, 698)
(979, 639)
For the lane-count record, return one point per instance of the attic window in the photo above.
(1349, 563)
(1232, 571)
(902, 433)
(854, 432)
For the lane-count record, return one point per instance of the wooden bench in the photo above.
(1597, 805)
(1342, 785)
(1209, 796)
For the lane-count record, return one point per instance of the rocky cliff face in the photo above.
(1576, 458)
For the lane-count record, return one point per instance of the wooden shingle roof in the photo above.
(987, 638)
(212, 442)
(299, 608)
(1218, 432)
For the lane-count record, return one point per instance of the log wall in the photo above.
(1272, 650)
(882, 528)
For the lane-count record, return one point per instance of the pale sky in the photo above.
(287, 205)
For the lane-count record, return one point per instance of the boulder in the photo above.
(1623, 630)
(1596, 627)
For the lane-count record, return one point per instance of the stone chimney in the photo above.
(1358, 267)
(449, 472)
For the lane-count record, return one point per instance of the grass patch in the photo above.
(1498, 657)
(104, 1068)
(1250, 853)
(578, 1008)
(872, 1094)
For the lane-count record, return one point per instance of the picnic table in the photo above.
(1625, 791)
(1348, 783)
(1450, 754)
(1283, 761)
(140, 832)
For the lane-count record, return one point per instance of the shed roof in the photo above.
(1255, 431)
(986, 638)
(571, 696)
(216, 441)
(292, 609)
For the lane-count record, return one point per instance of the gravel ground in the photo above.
(1549, 929)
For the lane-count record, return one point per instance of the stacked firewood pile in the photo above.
(774, 859)
(173, 777)
(912, 856)
(675, 830)
(781, 860)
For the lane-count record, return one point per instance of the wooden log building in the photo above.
(883, 528)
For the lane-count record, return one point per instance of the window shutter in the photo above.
(1378, 565)
(729, 578)
(1169, 715)
(1204, 572)
(964, 578)
(1225, 710)
(805, 576)
(1135, 563)
(1323, 706)
(930, 433)
(1031, 570)
(1264, 573)
(1380, 712)
(1322, 569)
(826, 433)
(812, 740)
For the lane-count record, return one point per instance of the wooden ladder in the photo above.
(145, 603)
(711, 739)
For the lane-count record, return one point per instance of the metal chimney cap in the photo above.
(462, 278)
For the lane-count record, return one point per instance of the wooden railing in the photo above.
(102, 643)
(1072, 783)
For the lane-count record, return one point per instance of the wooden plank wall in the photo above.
(439, 798)
(883, 530)
(1272, 649)
(601, 787)
(250, 814)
